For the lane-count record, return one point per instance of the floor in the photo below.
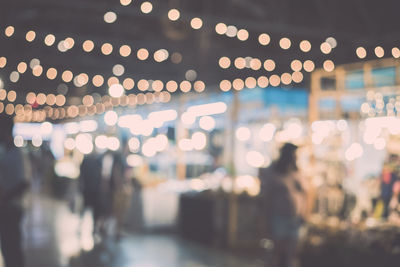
(56, 237)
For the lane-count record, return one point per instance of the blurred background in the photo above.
(175, 105)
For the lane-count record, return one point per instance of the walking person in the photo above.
(13, 184)
(284, 201)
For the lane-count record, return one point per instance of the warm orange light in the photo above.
(112, 80)
(106, 49)
(243, 35)
(174, 14)
(125, 50)
(9, 31)
(199, 86)
(269, 65)
(297, 77)
(224, 62)
(286, 78)
(305, 46)
(172, 86)
(37, 70)
(379, 51)
(51, 73)
(88, 46)
(326, 48)
(264, 39)
(250, 82)
(285, 43)
(240, 63)
(361, 52)
(128, 84)
(221, 28)
(196, 23)
(22, 66)
(3, 62)
(142, 54)
(157, 85)
(50, 99)
(308, 65)
(98, 80)
(185, 86)
(143, 85)
(30, 36)
(274, 80)
(329, 65)
(225, 85)
(255, 64)
(262, 81)
(238, 84)
(31, 98)
(67, 76)
(146, 7)
(296, 65)
(11, 96)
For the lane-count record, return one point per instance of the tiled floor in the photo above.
(55, 237)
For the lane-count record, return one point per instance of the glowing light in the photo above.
(125, 2)
(208, 109)
(379, 51)
(30, 36)
(342, 125)
(199, 140)
(107, 49)
(308, 65)
(207, 123)
(149, 148)
(325, 48)
(98, 80)
(174, 14)
(264, 39)
(185, 86)
(18, 141)
(361, 52)
(84, 143)
(37, 70)
(250, 82)
(142, 54)
(329, 65)
(267, 132)
(262, 81)
(188, 118)
(125, 50)
(185, 145)
(196, 23)
(221, 28)
(243, 35)
(128, 83)
(116, 90)
(285, 43)
(355, 151)
(199, 86)
(224, 62)
(225, 85)
(134, 144)
(113, 143)
(255, 64)
(46, 128)
(231, 31)
(3, 62)
(396, 52)
(88, 126)
(171, 86)
(297, 77)
(146, 7)
(240, 63)
(9, 31)
(269, 65)
(305, 46)
(161, 142)
(255, 159)
(14, 76)
(296, 65)
(238, 84)
(143, 85)
(110, 17)
(88, 46)
(67, 76)
(243, 134)
(111, 118)
(118, 70)
(286, 78)
(37, 140)
(274, 80)
(161, 55)
(331, 41)
(69, 143)
(11, 96)
(380, 144)
(51, 73)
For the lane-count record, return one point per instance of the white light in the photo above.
(128, 121)
(255, 159)
(149, 149)
(161, 141)
(18, 141)
(317, 138)
(84, 143)
(294, 129)
(110, 17)
(380, 144)
(134, 160)
(243, 134)
(116, 90)
(118, 70)
(207, 123)
(267, 132)
(134, 144)
(160, 117)
(111, 118)
(37, 141)
(146, 128)
(113, 143)
(71, 128)
(185, 145)
(101, 141)
(342, 125)
(208, 109)
(247, 183)
(199, 140)
(188, 118)
(355, 151)
(88, 126)
(46, 128)
(69, 143)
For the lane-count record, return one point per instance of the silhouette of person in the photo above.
(12, 186)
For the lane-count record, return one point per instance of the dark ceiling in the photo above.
(352, 22)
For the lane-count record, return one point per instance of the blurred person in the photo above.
(388, 179)
(13, 184)
(91, 187)
(284, 201)
(120, 191)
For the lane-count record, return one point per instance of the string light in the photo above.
(146, 7)
(174, 14)
(264, 39)
(196, 23)
(329, 65)
(30, 36)
(285, 43)
(305, 46)
(379, 51)
(9, 31)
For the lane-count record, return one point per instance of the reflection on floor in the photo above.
(56, 237)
